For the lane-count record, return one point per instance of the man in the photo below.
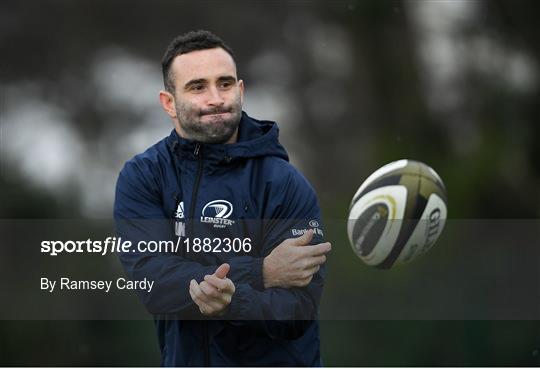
(244, 287)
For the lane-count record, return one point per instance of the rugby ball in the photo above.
(397, 214)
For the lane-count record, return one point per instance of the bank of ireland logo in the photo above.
(313, 224)
(179, 225)
(217, 213)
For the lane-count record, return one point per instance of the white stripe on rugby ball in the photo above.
(432, 171)
(424, 236)
(395, 198)
(380, 172)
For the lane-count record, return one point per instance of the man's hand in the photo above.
(292, 263)
(213, 294)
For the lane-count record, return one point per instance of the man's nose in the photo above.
(215, 98)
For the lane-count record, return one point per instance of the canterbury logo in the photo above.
(218, 209)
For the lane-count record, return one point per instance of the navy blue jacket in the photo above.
(179, 190)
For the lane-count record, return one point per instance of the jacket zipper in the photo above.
(199, 157)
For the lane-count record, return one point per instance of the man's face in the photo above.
(208, 96)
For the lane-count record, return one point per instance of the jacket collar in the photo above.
(255, 138)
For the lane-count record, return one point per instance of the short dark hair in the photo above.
(183, 44)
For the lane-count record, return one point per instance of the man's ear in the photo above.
(167, 103)
(241, 86)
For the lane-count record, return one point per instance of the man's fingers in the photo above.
(304, 239)
(195, 291)
(197, 296)
(217, 300)
(309, 272)
(222, 285)
(210, 290)
(198, 293)
(222, 271)
(207, 304)
(319, 249)
(205, 308)
(303, 282)
(313, 261)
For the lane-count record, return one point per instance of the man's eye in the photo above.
(197, 88)
(226, 84)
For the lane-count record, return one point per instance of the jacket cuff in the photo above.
(239, 307)
(257, 281)
(247, 269)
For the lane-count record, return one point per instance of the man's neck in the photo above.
(233, 138)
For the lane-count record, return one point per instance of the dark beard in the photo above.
(217, 130)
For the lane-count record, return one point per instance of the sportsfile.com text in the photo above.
(117, 245)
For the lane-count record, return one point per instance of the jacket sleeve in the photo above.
(280, 312)
(139, 216)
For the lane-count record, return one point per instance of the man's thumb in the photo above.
(222, 271)
(304, 239)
